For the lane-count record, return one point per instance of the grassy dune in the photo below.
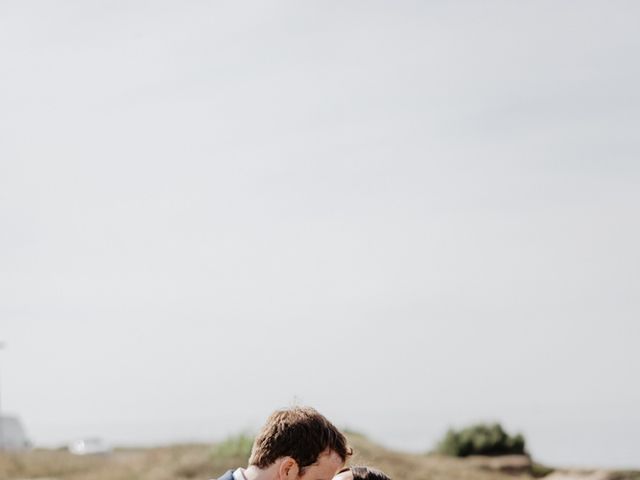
(201, 462)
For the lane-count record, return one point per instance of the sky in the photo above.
(410, 215)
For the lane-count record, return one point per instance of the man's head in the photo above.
(300, 442)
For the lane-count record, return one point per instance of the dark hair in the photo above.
(300, 433)
(366, 473)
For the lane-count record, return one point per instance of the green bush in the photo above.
(539, 470)
(236, 447)
(481, 439)
(233, 452)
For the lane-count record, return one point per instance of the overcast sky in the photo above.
(410, 215)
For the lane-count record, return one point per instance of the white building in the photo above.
(12, 434)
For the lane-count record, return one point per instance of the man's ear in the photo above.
(288, 469)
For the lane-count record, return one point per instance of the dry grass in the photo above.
(201, 462)
(176, 462)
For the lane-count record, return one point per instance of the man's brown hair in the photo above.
(300, 433)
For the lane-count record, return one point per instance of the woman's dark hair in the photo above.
(366, 473)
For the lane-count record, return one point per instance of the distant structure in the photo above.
(12, 434)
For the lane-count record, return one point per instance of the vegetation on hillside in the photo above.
(481, 439)
(202, 462)
(235, 446)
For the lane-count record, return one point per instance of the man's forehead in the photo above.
(330, 454)
(331, 459)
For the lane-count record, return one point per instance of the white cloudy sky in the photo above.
(408, 214)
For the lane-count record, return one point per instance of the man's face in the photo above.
(325, 468)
